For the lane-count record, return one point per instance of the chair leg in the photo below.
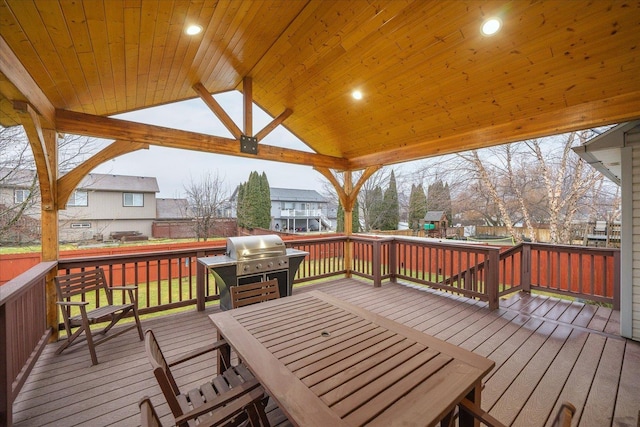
(87, 332)
(138, 324)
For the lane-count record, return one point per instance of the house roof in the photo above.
(16, 178)
(434, 216)
(107, 182)
(171, 208)
(604, 151)
(295, 195)
(431, 82)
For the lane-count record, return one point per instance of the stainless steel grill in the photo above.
(257, 254)
(250, 259)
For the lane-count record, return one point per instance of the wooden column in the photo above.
(348, 194)
(348, 219)
(50, 233)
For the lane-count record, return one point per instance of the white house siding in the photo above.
(106, 213)
(636, 242)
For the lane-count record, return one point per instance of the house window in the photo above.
(80, 225)
(21, 196)
(133, 199)
(78, 198)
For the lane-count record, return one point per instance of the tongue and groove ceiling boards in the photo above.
(431, 83)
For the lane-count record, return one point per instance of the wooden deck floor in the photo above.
(546, 351)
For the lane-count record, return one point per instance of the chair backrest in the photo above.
(148, 415)
(254, 292)
(82, 282)
(162, 372)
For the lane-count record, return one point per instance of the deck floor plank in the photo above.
(546, 350)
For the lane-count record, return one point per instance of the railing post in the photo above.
(201, 272)
(6, 390)
(393, 261)
(492, 272)
(525, 267)
(375, 263)
(616, 280)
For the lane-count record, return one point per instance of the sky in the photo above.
(175, 169)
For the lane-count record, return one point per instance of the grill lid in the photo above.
(247, 248)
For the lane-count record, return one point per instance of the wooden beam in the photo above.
(71, 179)
(247, 91)
(342, 195)
(217, 110)
(17, 74)
(363, 178)
(273, 124)
(40, 148)
(618, 109)
(105, 127)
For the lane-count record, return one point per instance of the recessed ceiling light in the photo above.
(356, 94)
(192, 30)
(491, 26)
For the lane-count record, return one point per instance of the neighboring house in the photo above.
(296, 210)
(299, 210)
(104, 204)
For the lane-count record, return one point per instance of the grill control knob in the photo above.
(246, 268)
(258, 266)
(270, 265)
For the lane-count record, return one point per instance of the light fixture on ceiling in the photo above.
(491, 26)
(356, 94)
(192, 30)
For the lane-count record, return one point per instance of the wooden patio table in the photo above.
(329, 363)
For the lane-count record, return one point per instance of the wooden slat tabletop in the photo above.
(326, 361)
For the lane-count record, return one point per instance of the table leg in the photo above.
(224, 356)
(465, 418)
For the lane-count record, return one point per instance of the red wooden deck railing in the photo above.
(173, 278)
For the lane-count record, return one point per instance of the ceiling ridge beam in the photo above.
(70, 180)
(13, 69)
(109, 128)
(217, 109)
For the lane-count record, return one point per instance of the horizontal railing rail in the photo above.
(466, 269)
(173, 278)
(587, 273)
(23, 331)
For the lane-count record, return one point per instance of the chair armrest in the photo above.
(479, 413)
(72, 303)
(233, 401)
(198, 352)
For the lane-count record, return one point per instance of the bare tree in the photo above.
(19, 190)
(207, 200)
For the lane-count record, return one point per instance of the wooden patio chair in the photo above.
(92, 283)
(253, 293)
(233, 398)
(563, 417)
(148, 415)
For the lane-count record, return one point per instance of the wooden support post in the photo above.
(50, 235)
(348, 228)
(247, 90)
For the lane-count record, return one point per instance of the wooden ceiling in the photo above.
(432, 83)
